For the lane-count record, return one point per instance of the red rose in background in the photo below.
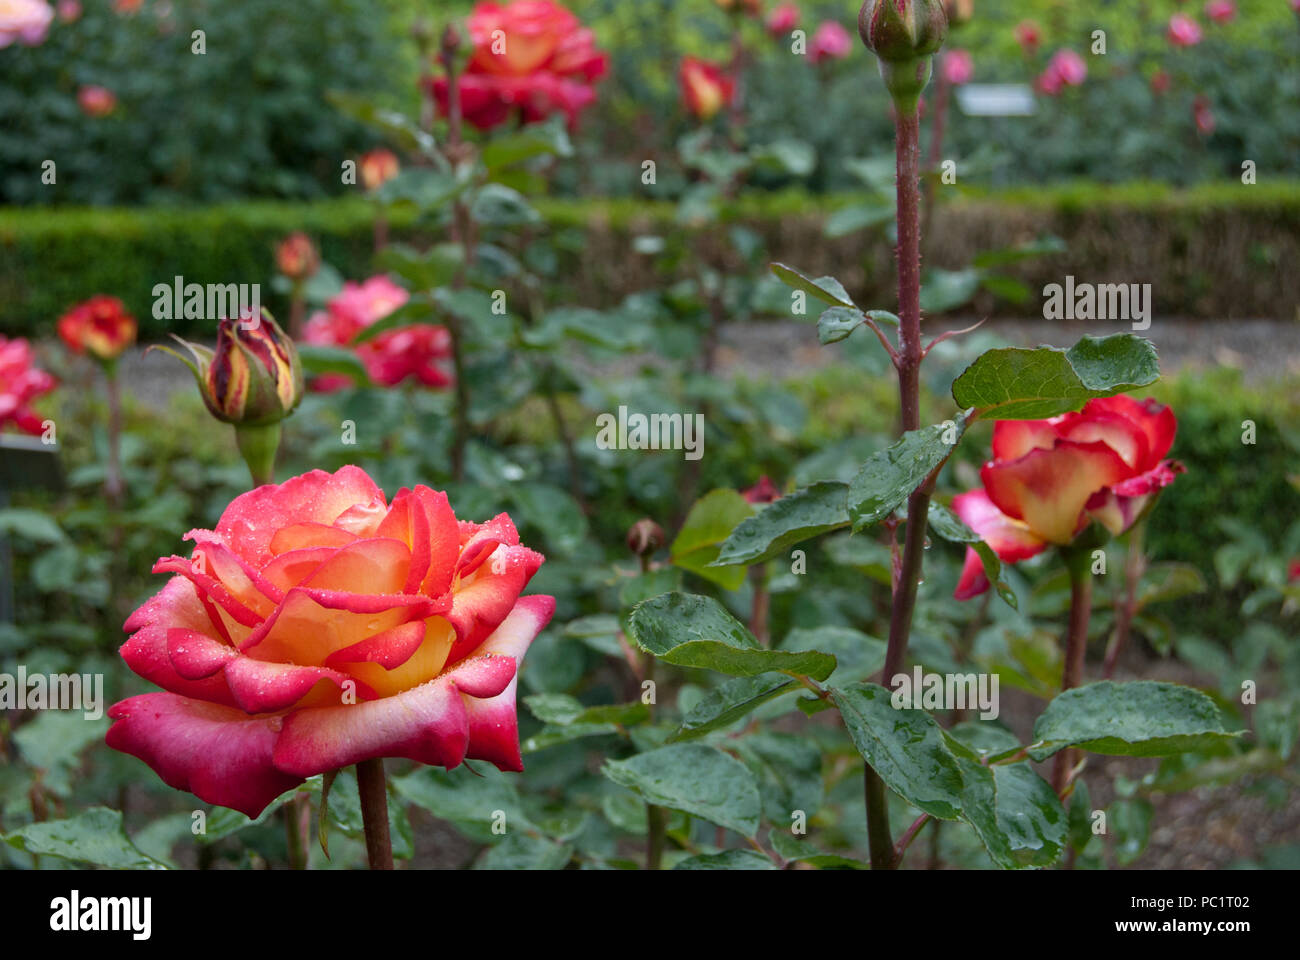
(706, 88)
(1160, 82)
(1029, 36)
(96, 101)
(783, 19)
(1065, 69)
(533, 56)
(958, 67)
(319, 626)
(21, 382)
(829, 42)
(1204, 116)
(1049, 479)
(420, 350)
(100, 326)
(1184, 31)
(1221, 11)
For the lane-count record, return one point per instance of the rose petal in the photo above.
(1047, 489)
(480, 604)
(1010, 539)
(494, 722)
(252, 519)
(1012, 439)
(1156, 421)
(195, 655)
(145, 652)
(479, 540)
(262, 687)
(303, 536)
(210, 587)
(1119, 433)
(389, 649)
(973, 580)
(219, 754)
(370, 566)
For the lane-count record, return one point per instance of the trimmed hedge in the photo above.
(1213, 252)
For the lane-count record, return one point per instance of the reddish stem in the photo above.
(373, 789)
(1075, 645)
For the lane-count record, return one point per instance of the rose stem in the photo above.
(297, 820)
(113, 485)
(1076, 643)
(374, 812)
(462, 233)
(758, 613)
(907, 130)
(1126, 609)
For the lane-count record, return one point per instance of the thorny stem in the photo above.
(937, 124)
(373, 789)
(1075, 645)
(908, 364)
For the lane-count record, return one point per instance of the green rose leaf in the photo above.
(694, 631)
(562, 709)
(826, 289)
(1018, 383)
(887, 479)
(837, 323)
(695, 779)
(1140, 719)
(94, 836)
(731, 701)
(802, 515)
(907, 748)
(708, 525)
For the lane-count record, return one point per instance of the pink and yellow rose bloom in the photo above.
(419, 351)
(532, 57)
(320, 626)
(706, 88)
(1049, 479)
(24, 21)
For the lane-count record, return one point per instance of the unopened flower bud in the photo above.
(903, 34)
(296, 257)
(645, 537)
(253, 376)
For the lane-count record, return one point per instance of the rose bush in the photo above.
(319, 626)
(421, 351)
(1049, 479)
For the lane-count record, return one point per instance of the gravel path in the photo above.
(1264, 349)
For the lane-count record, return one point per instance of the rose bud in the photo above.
(1221, 11)
(296, 257)
(1049, 479)
(320, 625)
(100, 327)
(765, 491)
(645, 537)
(253, 377)
(901, 31)
(377, 167)
(706, 89)
(903, 34)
